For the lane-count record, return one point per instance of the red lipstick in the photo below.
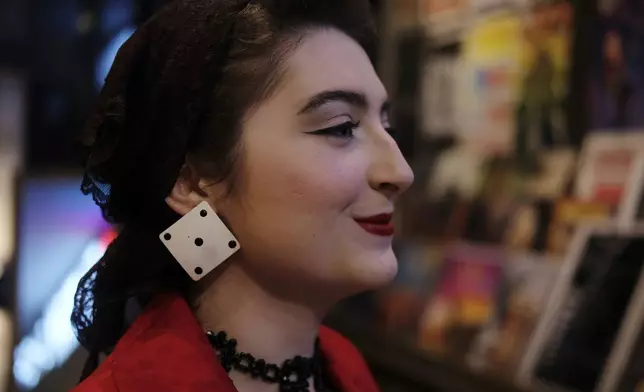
(378, 224)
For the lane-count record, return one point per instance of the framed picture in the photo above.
(631, 209)
(580, 341)
(608, 162)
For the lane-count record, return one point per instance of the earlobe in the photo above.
(185, 194)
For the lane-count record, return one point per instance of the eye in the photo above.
(344, 130)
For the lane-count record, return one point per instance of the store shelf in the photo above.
(393, 358)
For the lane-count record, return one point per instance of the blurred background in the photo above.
(522, 242)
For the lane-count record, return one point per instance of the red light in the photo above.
(108, 237)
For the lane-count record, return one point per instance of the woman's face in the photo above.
(301, 190)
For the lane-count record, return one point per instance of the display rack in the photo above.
(394, 360)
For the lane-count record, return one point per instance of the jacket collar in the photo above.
(166, 349)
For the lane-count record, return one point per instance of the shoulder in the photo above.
(333, 341)
(346, 363)
(100, 381)
(164, 350)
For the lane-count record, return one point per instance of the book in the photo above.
(502, 343)
(569, 215)
(463, 300)
(607, 163)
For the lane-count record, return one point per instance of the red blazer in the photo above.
(165, 350)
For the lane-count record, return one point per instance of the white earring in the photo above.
(200, 241)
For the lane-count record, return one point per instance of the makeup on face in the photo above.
(320, 173)
(380, 225)
(342, 104)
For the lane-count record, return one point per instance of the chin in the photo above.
(375, 272)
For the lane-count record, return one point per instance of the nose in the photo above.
(389, 172)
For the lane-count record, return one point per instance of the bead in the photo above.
(244, 362)
(272, 373)
(259, 367)
(232, 343)
(292, 376)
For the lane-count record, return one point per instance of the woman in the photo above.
(270, 113)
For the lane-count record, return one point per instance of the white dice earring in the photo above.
(200, 241)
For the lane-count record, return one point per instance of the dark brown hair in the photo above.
(178, 90)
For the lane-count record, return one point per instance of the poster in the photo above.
(487, 88)
(463, 300)
(515, 82)
(616, 74)
(608, 161)
(501, 344)
(401, 304)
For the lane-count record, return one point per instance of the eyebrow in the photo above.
(353, 98)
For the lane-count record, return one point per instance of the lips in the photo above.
(380, 225)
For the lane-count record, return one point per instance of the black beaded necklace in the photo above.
(292, 376)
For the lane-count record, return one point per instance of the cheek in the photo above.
(304, 181)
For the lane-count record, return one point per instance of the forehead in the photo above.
(327, 59)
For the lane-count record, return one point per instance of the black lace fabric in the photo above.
(137, 138)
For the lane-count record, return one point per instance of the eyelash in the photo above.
(341, 130)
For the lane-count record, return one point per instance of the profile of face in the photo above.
(316, 156)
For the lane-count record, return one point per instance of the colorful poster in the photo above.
(608, 161)
(528, 281)
(616, 74)
(463, 300)
(401, 304)
(487, 88)
(515, 82)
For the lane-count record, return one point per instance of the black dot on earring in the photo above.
(198, 271)
(167, 236)
(232, 244)
(198, 241)
(203, 213)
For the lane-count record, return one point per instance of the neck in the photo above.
(266, 326)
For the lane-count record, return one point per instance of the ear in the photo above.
(186, 193)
